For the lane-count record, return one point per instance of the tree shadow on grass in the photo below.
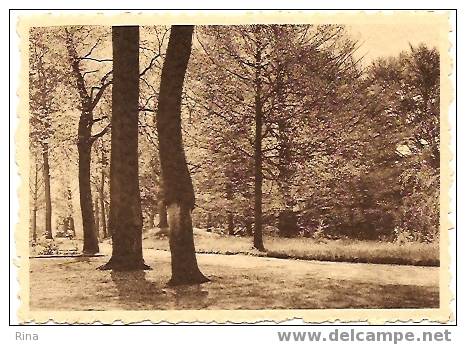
(136, 291)
(189, 296)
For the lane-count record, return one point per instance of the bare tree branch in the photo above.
(101, 133)
(95, 59)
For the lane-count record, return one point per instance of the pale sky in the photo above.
(380, 40)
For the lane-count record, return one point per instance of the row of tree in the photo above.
(125, 216)
(282, 127)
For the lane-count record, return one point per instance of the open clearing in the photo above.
(375, 252)
(238, 282)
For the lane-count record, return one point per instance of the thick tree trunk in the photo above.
(178, 187)
(183, 258)
(258, 242)
(91, 244)
(48, 200)
(125, 201)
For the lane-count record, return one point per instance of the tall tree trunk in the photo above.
(230, 223)
(97, 217)
(162, 210)
(287, 219)
(85, 141)
(70, 219)
(71, 226)
(101, 199)
(258, 242)
(125, 199)
(248, 225)
(91, 244)
(34, 200)
(230, 218)
(178, 187)
(48, 200)
(209, 222)
(34, 224)
(104, 218)
(107, 216)
(152, 212)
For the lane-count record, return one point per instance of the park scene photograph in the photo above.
(232, 167)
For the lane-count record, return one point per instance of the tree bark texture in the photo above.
(178, 187)
(162, 209)
(85, 141)
(91, 244)
(97, 217)
(102, 200)
(48, 200)
(257, 240)
(125, 221)
(34, 200)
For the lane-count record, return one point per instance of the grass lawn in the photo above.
(418, 254)
(238, 282)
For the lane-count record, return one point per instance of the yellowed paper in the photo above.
(436, 27)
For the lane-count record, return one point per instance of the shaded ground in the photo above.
(238, 282)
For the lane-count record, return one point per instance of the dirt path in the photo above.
(358, 272)
(367, 273)
(238, 282)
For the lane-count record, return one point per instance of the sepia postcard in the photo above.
(234, 167)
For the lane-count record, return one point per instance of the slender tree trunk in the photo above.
(249, 227)
(85, 141)
(34, 224)
(287, 220)
(230, 223)
(91, 244)
(34, 200)
(101, 200)
(107, 216)
(152, 213)
(230, 218)
(162, 209)
(97, 217)
(70, 219)
(258, 242)
(125, 209)
(71, 226)
(209, 222)
(178, 187)
(48, 200)
(104, 219)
